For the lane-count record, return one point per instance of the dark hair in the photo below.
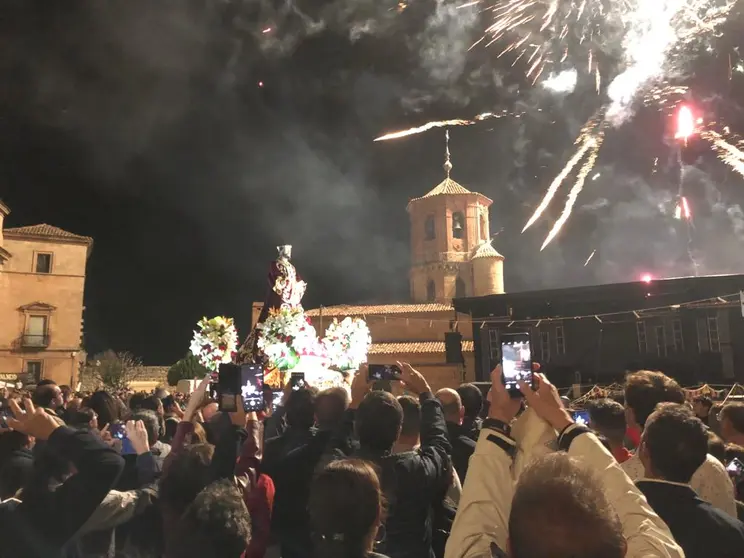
(676, 442)
(733, 451)
(330, 406)
(345, 507)
(734, 412)
(151, 422)
(217, 523)
(187, 475)
(105, 407)
(46, 382)
(608, 418)
(137, 401)
(716, 446)
(704, 400)
(152, 403)
(80, 418)
(411, 415)
(378, 421)
(300, 407)
(472, 399)
(645, 389)
(559, 510)
(44, 395)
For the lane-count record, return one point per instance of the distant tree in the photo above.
(187, 368)
(112, 370)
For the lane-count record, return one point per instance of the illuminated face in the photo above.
(285, 251)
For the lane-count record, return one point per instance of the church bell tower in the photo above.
(451, 251)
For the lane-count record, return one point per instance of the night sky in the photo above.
(189, 144)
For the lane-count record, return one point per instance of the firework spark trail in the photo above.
(594, 143)
(585, 142)
(586, 263)
(447, 123)
(727, 152)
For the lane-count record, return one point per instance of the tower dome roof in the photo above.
(485, 250)
(448, 187)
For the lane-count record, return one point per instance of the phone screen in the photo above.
(516, 360)
(228, 387)
(251, 387)
(297, 380)
(117, 431)
(383, 372)
(735, 467)
(213, 383)
(580, 417)
(276, 399)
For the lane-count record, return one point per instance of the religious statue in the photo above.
(285, 290)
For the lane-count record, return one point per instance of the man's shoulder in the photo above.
(719, 520)
(633, 467)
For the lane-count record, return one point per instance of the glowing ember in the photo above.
(685, 123)
(647, 278)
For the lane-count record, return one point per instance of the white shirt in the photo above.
(711, 482)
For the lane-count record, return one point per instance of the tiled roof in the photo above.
(45, 231)
(485, 250)
(379, 309)
(419, 347)
(447, 187)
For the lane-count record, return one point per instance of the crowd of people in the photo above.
(357, 473)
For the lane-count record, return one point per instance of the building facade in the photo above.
(42, 281)
(690, 328)
(451, 255)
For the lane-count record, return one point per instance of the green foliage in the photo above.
(187, 368)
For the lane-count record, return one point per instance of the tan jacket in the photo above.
(483, 515)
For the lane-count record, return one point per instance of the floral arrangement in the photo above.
(285, 336)
(347, 343)
(215, 342)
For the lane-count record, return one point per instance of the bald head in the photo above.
(451, 405)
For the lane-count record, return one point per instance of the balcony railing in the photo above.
(34, 341)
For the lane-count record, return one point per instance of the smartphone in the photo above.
(251, 387)
(276, 399)
(214, 382)
(297, 380)
(735, 467)
(581, 417)
(383, 372)
(118, 430)
(228, 387)
(516, 361)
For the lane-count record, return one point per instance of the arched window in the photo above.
(431, 291)
(458, 225)
(483, 227)
(429, 230)
(460, 289)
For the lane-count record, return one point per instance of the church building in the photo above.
(451, 257)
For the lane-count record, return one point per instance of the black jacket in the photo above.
(15, 472)
(462, 448)
(44, 521)
(412, 482)
(702, 530)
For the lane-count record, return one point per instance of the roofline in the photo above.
(467, 304)
(82, 240)
(4, 209)
(488, 200)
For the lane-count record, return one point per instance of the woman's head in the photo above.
(104, 405)
(346, 508)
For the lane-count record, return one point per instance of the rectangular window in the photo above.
(36, 332)
(560, 341)
(43, 262)
(677, 337)
(661, 348)
(545, 345)
(713, 341)
(33, 369)
(493, 344)
(641, 333)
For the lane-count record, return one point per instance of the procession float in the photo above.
(284, 340)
